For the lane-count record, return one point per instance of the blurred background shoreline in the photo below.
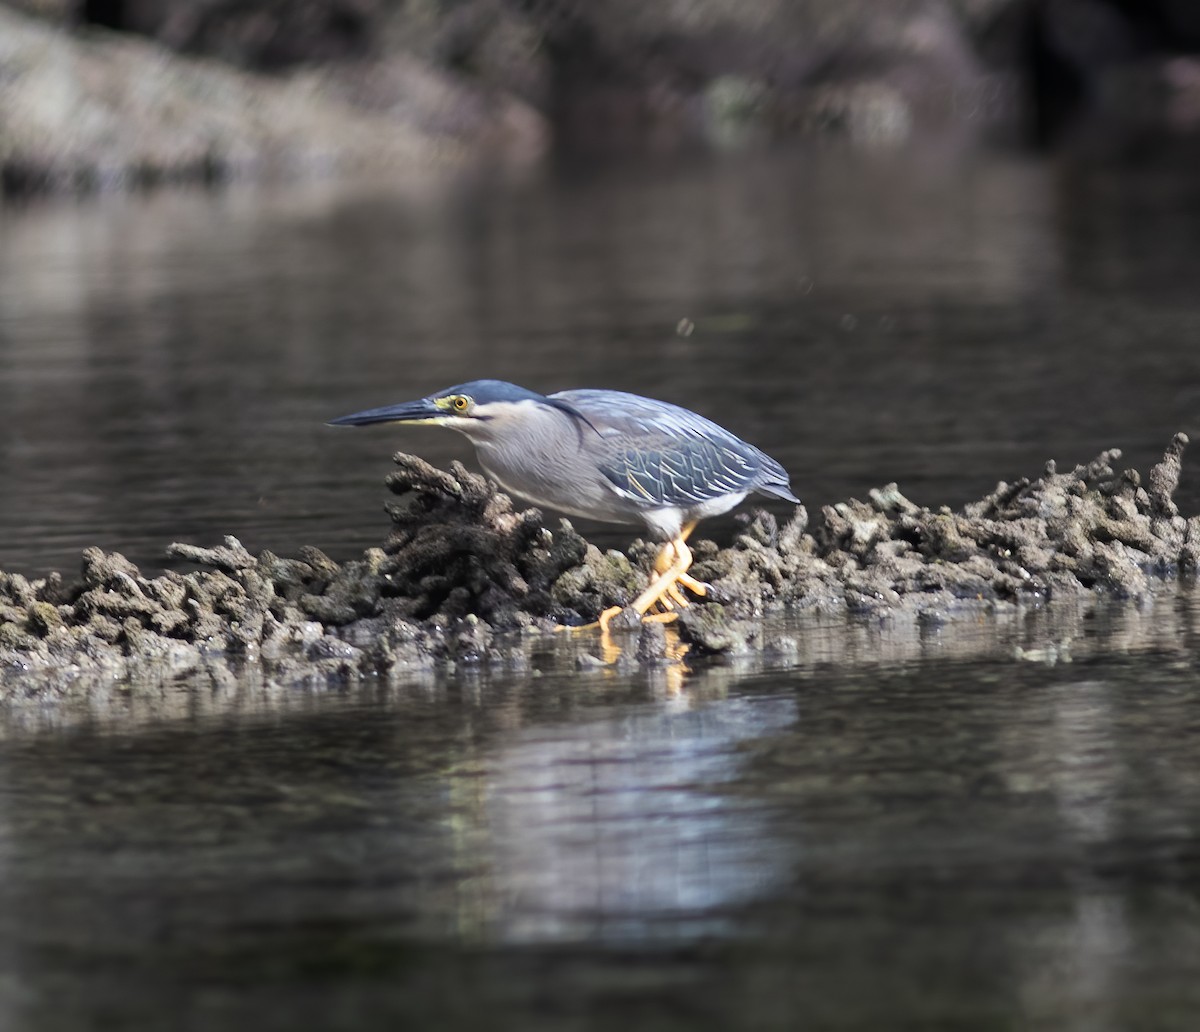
(112, 94)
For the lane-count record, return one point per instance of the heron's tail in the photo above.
(774, 481)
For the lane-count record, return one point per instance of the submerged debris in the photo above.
(463, 574)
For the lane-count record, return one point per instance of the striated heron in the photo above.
(605, 455)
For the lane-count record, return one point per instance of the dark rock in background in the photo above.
(345, 83)
(1124, 60)
(92, 109)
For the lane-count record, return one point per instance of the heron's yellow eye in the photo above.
(460, 403)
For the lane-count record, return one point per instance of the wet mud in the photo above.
(467, 577)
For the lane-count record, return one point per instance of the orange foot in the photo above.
(671, 568)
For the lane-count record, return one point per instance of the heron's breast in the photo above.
(552, 473)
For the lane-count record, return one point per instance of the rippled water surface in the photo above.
(167, 363)
(993, 825)
(895, 831)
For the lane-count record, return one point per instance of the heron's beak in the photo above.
(423, 411)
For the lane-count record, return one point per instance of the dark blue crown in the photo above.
(487, 391)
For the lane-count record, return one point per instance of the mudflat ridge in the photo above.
(467, 577)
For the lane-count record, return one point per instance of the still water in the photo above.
(888, 827)
(167, 363)
(892, 832)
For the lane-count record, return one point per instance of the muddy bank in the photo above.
(95, 109)
(466, 577)
(188, 91)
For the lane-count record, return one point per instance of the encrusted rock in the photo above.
(464, 571)
(1164, 478)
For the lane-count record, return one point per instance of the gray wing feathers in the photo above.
(659, 454)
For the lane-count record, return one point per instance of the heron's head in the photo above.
(478, 408)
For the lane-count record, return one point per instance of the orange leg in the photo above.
(672, 598)
(671, 567)
(663, 563)
(675, 596)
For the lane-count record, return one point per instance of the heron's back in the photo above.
(657, 454)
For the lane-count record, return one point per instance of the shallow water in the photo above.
(994, 824)
(947, 321)
(896, 830)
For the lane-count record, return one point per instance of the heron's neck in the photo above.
(516, 442)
